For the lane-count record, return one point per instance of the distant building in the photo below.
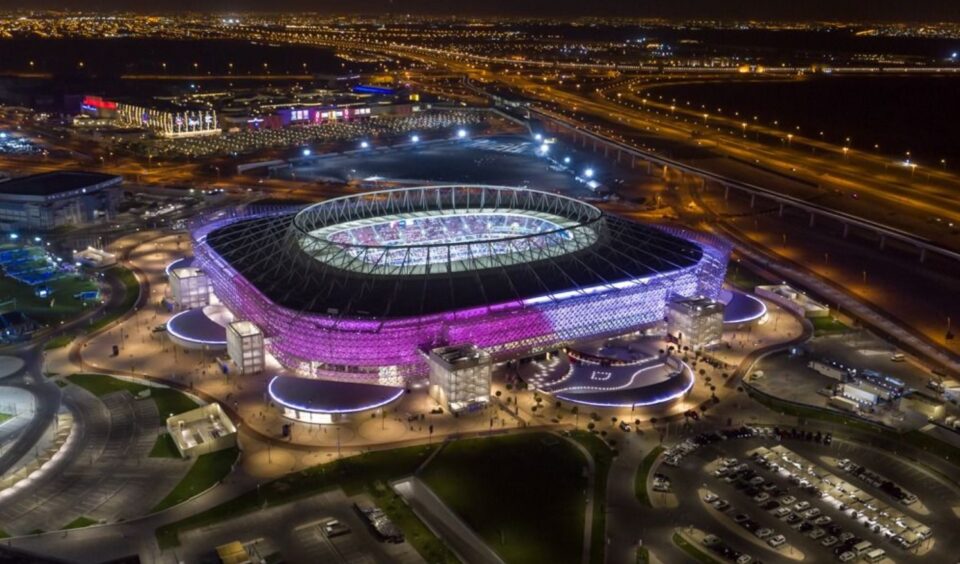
(460, 376)
(42, 202)
(695, 322)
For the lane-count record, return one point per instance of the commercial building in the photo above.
(42, 202)
(695, 322)
(460, 377)
(353, 289)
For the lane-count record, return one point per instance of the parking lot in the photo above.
(781, 498)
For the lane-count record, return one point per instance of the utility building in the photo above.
(460, 377)
(245, 346)
(695, 322)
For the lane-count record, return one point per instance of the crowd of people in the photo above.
(465, 235)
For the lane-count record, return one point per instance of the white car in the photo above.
(817, 533)
(781, 512)
(710, 497)
(710, 540)
(847, 556)
(761, 497)
(787, 499)
(763, 533)
(829, 541)
(811, 513)
(802, 506)
(744, 559)
(776, 540)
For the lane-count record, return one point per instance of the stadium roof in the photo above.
(263, 251)
(51, 183)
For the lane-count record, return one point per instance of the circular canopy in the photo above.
(194, 328)
(327, 396)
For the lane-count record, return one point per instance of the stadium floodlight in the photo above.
(462, 134)
(364, 145)
(306, 152)
(566, 160)
(14, 236)
(588, 173)
(415, 139)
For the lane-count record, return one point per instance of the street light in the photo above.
(364, 145)
(415, 139)
(588, 173)
(307, 152)
(566, 160)
(462, 134)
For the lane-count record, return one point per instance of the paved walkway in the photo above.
(102, 473)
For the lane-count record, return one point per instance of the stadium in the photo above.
(357, 288)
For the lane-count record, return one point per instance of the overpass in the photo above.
(619, 151)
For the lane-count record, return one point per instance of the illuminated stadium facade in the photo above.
(355, 288)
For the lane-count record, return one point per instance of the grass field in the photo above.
(164, 447)
(65, 306)
(827, 326)
(131, 292)
(169, 401)
(80, 522)
(209, 469)
(523, 494)
(5, 417)
(743, 279)
(364, 473)
(602, 459)
(643, 472)
(694, 551)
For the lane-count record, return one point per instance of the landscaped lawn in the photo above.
(209, 469)
(643, 472)
(169, 401)
(355, 475)
(523, 494)
(101, 384)
(80, 522)
(827, 326)
(65, 306)
(602, 459)
(164, 447)
(693, 551)
(131, 292)
(5, 417)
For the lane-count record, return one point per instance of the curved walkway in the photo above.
(104, 475)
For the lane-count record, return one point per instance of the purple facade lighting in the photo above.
(385, 350)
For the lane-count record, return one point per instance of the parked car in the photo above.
(776, 540)
(763, 533)
(829, 541)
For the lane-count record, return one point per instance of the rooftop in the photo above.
(50, 183)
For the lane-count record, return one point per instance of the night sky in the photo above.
(863, 10)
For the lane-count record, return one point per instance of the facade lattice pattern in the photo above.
(324, 320)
